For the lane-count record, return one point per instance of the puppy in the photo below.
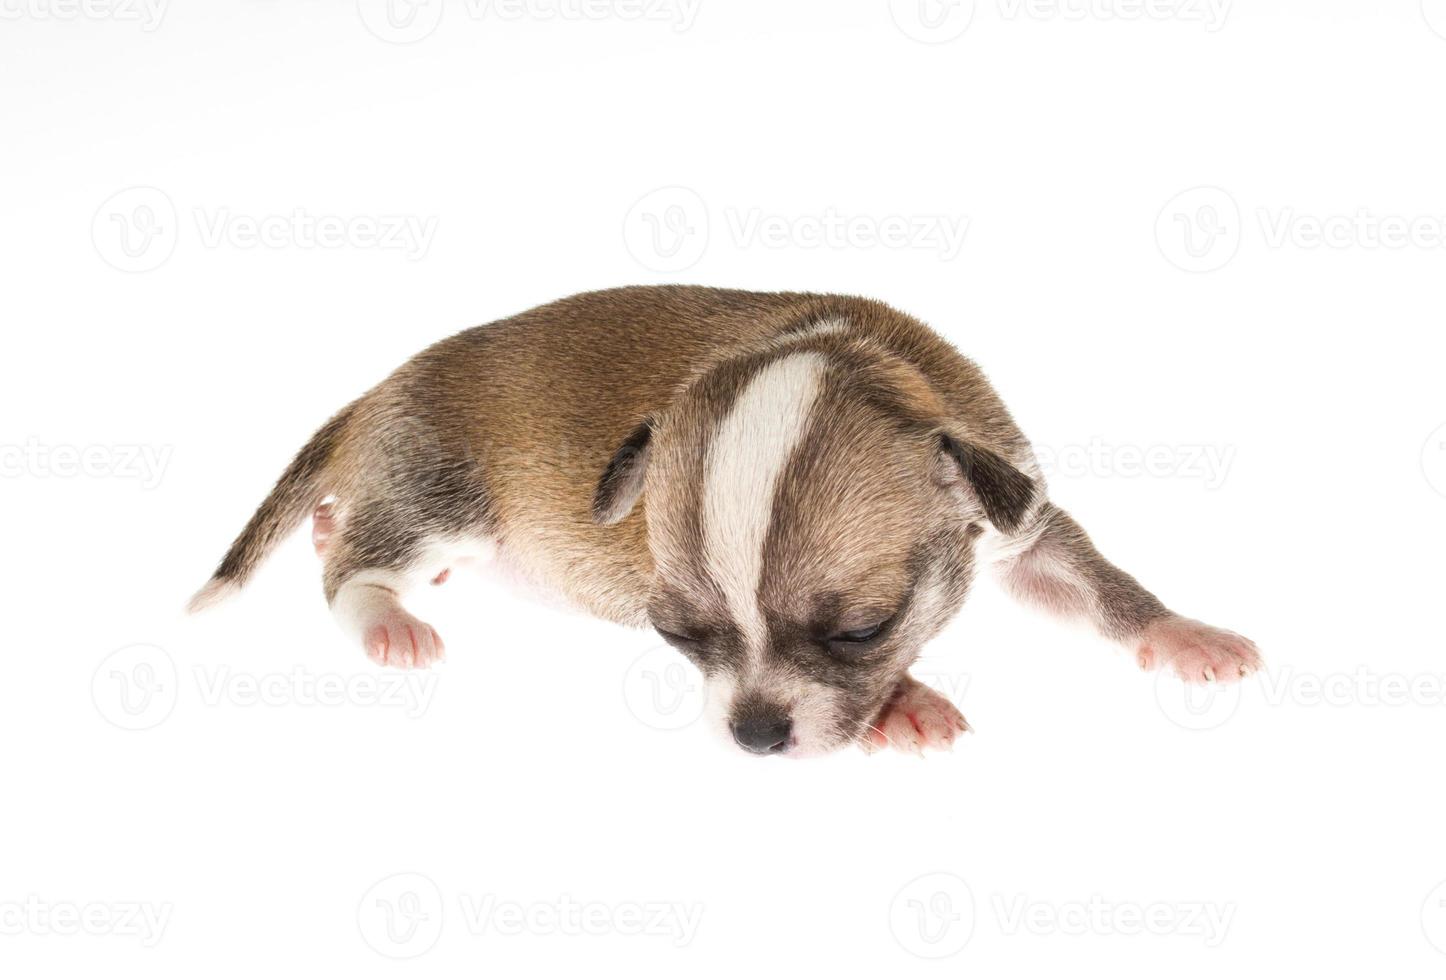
(794, 490)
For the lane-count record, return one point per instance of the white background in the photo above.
(532, 772)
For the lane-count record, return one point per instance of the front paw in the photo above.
(1196, 652)
(914, 718)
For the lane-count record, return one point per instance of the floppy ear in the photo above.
(1003, 491)
(622, 482)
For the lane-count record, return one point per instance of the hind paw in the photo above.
(402, 640)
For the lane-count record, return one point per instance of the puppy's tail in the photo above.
(299, 491)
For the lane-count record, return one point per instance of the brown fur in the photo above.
(506, 429)
(573, 438)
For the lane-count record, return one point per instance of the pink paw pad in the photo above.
(915, 718)
(1196, 652)
(323, 526)
(403, 641)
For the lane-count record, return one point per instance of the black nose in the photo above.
(763, 735)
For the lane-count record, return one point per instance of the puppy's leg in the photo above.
(916, 717)
(1052, 563)
(373, 559)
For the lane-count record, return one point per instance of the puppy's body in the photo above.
(809, 467)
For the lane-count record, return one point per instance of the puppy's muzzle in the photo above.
(764, 735)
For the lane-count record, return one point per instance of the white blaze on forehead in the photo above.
(745, 459)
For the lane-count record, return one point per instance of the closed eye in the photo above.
(854, 643)
(689, 643)
(858, 636)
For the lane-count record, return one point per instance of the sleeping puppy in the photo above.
(794, 490)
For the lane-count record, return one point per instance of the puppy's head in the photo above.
(811, 514)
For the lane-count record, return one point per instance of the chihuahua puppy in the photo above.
(794, 490)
